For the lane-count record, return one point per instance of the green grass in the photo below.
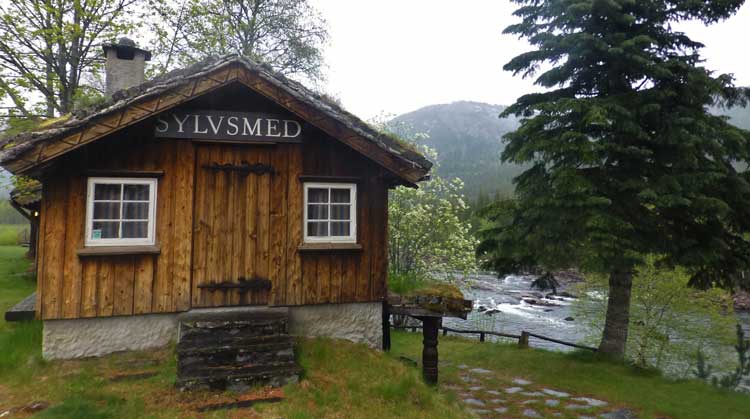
(341, 379)
(583, 373)
(9, 233)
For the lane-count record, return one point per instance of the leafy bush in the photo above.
(669, 321)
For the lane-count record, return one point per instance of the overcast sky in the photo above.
(395, 56)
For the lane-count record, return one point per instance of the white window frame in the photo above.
(352, 237)
(147, 241)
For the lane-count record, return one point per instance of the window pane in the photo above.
(135, 211)
(136, 192)
(317, 212)
(107, 191)
(135, 230)
(105, 230)
(106, 210)
(340, 228)
(340, 212)
(317, 229)
(317, 195)
(340, 195)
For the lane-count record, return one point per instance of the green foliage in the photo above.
(288, 35)
(405, 282)
(427, 231)
(625, 158)
(732, 380)
(670, 323)
(52, 49)
(503, 248)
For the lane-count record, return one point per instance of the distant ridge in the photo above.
(468, 138)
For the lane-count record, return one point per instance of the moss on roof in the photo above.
(14, 147)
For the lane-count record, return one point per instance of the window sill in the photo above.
(118, 250)
(330, 247)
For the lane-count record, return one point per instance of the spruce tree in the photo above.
(625, 158)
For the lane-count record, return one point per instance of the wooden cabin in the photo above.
(222, 184)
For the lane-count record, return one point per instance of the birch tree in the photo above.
(288, 35)
(49, 47)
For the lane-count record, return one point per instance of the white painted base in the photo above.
(357, 322)
(81, 338)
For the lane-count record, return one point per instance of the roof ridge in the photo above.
(12, 147)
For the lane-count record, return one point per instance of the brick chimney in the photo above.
(125, 64)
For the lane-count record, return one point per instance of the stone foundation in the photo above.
(356, 322)
(81, 338)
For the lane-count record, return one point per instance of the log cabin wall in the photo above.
(73, 286)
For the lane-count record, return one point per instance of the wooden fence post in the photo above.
(523, 341)
(481, 337)
(429, 349)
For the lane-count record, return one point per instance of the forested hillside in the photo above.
(468, 139)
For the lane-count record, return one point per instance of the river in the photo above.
(511, 296)
(509, 305)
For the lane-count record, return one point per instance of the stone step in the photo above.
(235, 349)
(250, 343)
(194, 362)
(241, 379)
(233, 314)
(244, 338)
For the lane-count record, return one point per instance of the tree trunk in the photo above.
(615, 334)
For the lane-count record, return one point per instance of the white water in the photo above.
(509, 295)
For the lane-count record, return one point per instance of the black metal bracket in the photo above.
(243, 168)
(242, 285)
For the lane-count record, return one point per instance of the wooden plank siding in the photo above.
(212, 226)
(73, 286)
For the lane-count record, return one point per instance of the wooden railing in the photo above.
(523, 338)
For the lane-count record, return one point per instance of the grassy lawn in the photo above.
(342, 380)
(9, 233)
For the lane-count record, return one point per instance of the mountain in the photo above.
(468, 139)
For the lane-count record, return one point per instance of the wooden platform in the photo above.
(23, 311)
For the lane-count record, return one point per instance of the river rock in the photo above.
(555, 393)
(513, 390)
(531, 413)
(521, 381)
(493, 392)
(480, 371)
(491, 311)
(500, 409)
(552, 403)
(532, 393)
(569, 319)
(619, 414)
(591, 402)
(577, 406)
(474, 402)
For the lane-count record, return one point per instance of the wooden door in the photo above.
(231, 225)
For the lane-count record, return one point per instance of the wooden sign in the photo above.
(227, 125)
